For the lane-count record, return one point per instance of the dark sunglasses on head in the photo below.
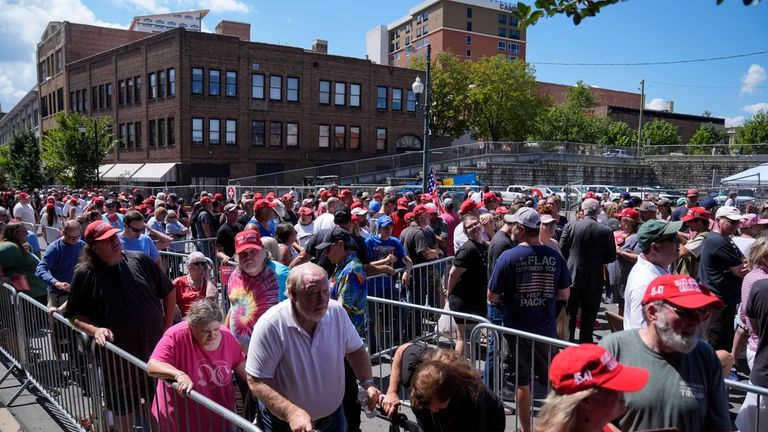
(198, 264)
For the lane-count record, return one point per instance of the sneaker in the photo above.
(508, 393)
(733, 376)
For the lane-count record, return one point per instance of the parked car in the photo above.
(514, 192)
(617, 153)
(742, 196)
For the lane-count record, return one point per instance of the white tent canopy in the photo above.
(756, 176)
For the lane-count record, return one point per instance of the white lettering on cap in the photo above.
(687, 285)
(608, 361)
(657, 290)
(582, 377)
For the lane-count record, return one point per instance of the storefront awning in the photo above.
(156, 173)
(121, 172)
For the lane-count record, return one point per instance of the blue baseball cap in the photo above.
(383, 221)
(374, 207)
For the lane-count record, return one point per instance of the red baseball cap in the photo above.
(98, 200)
(205, 200)
(587, 366)
(682, 291)
(50, 199)
(345, 193)
(262, 203)
(249, 239)
(286, 197)
(467, 206)
(425, 198)
(692, 192)
(629, 213)
(408, 216)
(489, 196)
(99, 230)
(356, 204)
(73, 201)
(305, 211)
(402, 204)
(501, 210)
(420, 209)
(695, 212)
(218, 197)
(23, 195)
(258, 196)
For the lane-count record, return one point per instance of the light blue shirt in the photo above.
(142, 244)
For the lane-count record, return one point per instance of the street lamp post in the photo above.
(418, 88)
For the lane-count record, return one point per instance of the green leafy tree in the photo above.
(73, 156)
(577, 10)
(753, 136)
(5, 166)
(702, 140)
(615, 133)
(580, 96)
(660, 132)
(503, 99)
(24, 163)
(450, 86)
(565, 123)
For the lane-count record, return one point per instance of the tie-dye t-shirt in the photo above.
(249, 298)
(348, 287)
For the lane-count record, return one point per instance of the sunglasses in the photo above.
(136, 230)
(701, 314)
(198, 264)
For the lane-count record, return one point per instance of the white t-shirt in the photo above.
(307, 370)
(324, 221)
(642, 273)
(24, 213)
(304, 233)
(743, 243)
(459, 237)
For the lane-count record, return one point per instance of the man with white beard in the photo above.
(687, 390)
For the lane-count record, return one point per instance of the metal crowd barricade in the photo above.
(176, 265)
(192, 245)
(753, 415)
(9, 332)
(526, 355)
(56, 362)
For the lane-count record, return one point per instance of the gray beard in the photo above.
(674, 340)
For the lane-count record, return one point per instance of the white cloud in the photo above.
(656, 104)
(752, 79)
(222, 6)
(734, 121)
(755, 108)
(147, 7)
(21, 26)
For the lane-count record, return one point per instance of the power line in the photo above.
(700, 86)
(701, 60)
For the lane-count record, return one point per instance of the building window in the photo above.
(275, 87)
(424, 31)
(325, 92)
(469, 26)
(324, 136)
(214, 132)
(469, 12)
(197, 81)
(136, 89)
(122, 134)
(214, 82)
(275, 134)
(425, 15)
(101, 97)
(292, 93)
(407, 40)
(512, 21)
(197, 131)
(231, 83)
(354, 137)
(257, 133)
(138, 133)
(291, 134)
(129, 91)
(410, 105)
(171, 82)
(339, 137)
(94, 97)
(354, 95)
(513, 47)
(230, 138)
(502, 19)
(514, 34)
(418, 32)
(381, 98)
(120, 93)
(131, 132)
(381, 139)
(171, 132)
(59, 63)
(512, 57)
(397, 99)
(161, 133)
(469, 40)
(257, 86)
(108, 91)
(340, 93)
(469, 53)
(152, 90)
(85, 102)
(502, 46)
(161, 84)
(153, 132)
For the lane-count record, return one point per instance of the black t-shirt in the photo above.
(463, 413)
(225, 237)
(319, 257)
(718, 255)
(416, 241)
(125, 298)
(500, 242)
(291, 216)
(757, 309)
(470, 293)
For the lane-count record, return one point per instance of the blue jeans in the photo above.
(495, 316)
(335, 422)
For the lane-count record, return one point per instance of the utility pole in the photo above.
(640, 120)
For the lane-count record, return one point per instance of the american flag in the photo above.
(432, 183)
(535, 281)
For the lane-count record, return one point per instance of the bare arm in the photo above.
(453, 277)
(391, 402)
(361, 366)
(277, 404)
(493, 297)
(163, 370)
(739, 270)
(100, 334)
(169, 307)
(563, 294)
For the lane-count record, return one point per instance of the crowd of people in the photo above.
(690, 280)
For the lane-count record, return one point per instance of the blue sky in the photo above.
(628, 32)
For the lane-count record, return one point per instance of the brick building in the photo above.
(218, 106)
(687, 124)
(559, 95)
(470, 29)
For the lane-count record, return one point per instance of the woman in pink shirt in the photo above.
(199, 354)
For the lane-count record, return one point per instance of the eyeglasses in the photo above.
(471, 226)
(136, 230)
(71, 237)
(701, 314)
(198, 264)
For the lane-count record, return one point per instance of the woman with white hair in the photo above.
(201, 354)
(176, 230)
(195, 285)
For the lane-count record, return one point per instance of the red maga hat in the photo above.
(99, 230)
(249, 239)
(682, 291)
(587, 366)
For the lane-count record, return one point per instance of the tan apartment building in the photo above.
(470, 29)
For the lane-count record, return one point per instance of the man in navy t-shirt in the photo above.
(529, 278)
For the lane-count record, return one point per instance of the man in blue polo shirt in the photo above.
(58, 264)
